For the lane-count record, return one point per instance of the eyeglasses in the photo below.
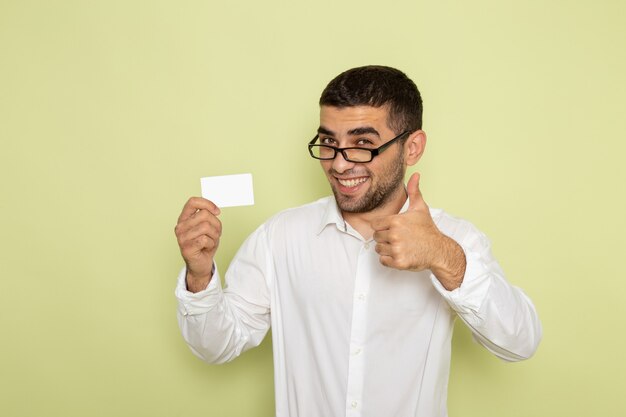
(361, 155)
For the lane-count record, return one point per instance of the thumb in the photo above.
(416, 201)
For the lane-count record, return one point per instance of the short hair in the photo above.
(378, 86)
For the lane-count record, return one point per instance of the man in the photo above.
(361, 290)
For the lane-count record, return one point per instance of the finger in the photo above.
(204, 228)
(197, 203)
(416, 200)
(382, 236)
(193, 247)
(381, 223)
(383, 249)
(196, 245)
(386, 261)
(196, 219)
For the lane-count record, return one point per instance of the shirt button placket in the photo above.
(356, 364)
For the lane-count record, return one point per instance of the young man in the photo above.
(362, 289)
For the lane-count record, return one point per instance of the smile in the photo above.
(352, 182)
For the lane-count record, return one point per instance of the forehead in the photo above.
(345, 118)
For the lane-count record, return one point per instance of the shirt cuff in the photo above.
(190, 303)
(469, 297)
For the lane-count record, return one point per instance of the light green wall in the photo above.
(111, 111)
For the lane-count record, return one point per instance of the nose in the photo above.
(340, 165)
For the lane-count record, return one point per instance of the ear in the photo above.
(414, 147)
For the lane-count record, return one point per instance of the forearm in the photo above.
(501, 317)
(220, 335)
(450, 263)
(219, 326)
(506, 323)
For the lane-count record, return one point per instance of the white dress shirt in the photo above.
(352, 337)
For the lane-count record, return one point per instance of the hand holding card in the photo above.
(198, 232)
(198, 229)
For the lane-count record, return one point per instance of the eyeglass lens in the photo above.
(353, 155)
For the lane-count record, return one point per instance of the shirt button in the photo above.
(361, 296)
(367, 245)
(354, 404)
(356, 351)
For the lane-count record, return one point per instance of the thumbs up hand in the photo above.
(412, 241)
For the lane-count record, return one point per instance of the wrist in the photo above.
(449, 266)
(198, 282)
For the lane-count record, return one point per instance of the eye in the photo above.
(364, 141)
(328, 141)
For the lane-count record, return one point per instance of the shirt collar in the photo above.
(332, 215)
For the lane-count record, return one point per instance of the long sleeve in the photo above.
(219, 324)
(501, 317)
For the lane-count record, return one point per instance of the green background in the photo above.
(111, 111)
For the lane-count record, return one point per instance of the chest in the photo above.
(341, 272)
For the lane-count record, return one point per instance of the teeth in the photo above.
(352, 182)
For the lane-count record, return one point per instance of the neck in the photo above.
(361, 222)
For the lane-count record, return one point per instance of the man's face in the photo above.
(361, 187)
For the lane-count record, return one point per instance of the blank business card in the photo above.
(228, 190)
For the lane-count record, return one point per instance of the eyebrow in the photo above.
(323, 131)
(352, 132)
(363, 131)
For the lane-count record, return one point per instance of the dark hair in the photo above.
(377, 86)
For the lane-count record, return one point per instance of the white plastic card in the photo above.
(228, 190)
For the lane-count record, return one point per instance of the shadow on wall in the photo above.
(470, 356)
(252, 373)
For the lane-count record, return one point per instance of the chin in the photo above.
(354, 205)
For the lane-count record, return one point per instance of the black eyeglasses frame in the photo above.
(373, 152)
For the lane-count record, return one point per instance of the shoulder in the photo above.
(299, 219)
(308, 211)
(459, 229)
(289, 225)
